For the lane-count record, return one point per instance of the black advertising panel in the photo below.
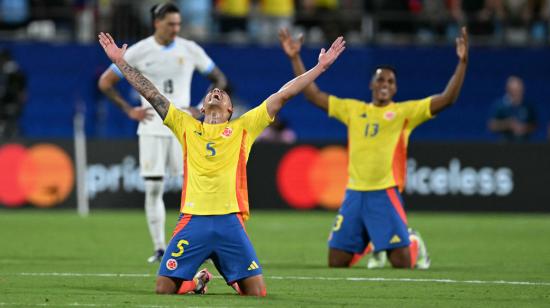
(479, 177)
(440, 177)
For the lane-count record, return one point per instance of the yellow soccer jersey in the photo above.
(214, 160)
(378, 139)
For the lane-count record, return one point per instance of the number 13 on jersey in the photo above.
(372, 129)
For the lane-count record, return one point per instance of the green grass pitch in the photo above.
(57, 259)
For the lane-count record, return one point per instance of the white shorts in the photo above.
(159, 155)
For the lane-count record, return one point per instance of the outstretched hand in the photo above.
(462, 45)
(326, 58)
(290, 45)
(111, 49)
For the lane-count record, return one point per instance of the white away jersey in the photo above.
(170, 68)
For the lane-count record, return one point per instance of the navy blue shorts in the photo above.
(219, 237)
(370, 216)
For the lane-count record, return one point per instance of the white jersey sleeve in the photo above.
(203, 63)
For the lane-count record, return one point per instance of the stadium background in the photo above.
(55, 47)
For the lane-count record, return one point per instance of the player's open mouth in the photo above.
(216, 96)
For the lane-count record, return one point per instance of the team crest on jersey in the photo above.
(227, 132)
(180, 60)
(171, 264)
(389, 115)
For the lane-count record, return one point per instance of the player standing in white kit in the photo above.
(168, 61)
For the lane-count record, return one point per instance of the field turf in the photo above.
(57, 259)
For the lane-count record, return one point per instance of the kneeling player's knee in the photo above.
(400, 258)
(259, 291)
(163, 290)
(337, 264)
(338, 261)
(165, 286)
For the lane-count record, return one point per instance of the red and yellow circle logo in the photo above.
(42, 175)
(308, 176)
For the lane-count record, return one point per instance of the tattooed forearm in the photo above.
(145, 88)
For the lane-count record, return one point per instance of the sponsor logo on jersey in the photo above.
(227, 132)
(171, 264)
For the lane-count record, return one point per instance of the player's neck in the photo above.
(381, 103)
(162, 41)
(214, 117)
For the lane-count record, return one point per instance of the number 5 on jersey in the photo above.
(210, 148)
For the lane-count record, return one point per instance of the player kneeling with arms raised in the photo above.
(214, 201)
(378, 134)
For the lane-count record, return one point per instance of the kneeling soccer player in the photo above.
(214, 200)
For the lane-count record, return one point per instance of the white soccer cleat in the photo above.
(201, 278)
(377, 260)
(156, 257)
(423, 260)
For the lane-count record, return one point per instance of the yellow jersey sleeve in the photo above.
(340, 108)
(418, 111)
(176, 121)
(256, 120)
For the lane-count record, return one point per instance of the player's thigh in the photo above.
(190, 245)
(383, 217)
(175, 157)
(253, 286)
(234, 254)
(400, 257)
(348, 232)
(167, 285)
(339, 258)
(153, 155)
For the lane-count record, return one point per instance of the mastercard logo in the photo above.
(307, 176)
(42, 175)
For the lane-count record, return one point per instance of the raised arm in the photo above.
(449, 96)
(134, 77)
(277, 100)
(292, 49)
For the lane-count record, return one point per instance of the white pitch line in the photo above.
(368, 279)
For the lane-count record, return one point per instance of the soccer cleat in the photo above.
(201, 279)
(423, 260)
(156, 257)
(377, 260)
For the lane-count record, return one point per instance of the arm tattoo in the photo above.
(145, 88)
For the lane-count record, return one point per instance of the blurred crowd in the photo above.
(511, 22)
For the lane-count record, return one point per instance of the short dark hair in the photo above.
(158, 11)
(385, 67)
